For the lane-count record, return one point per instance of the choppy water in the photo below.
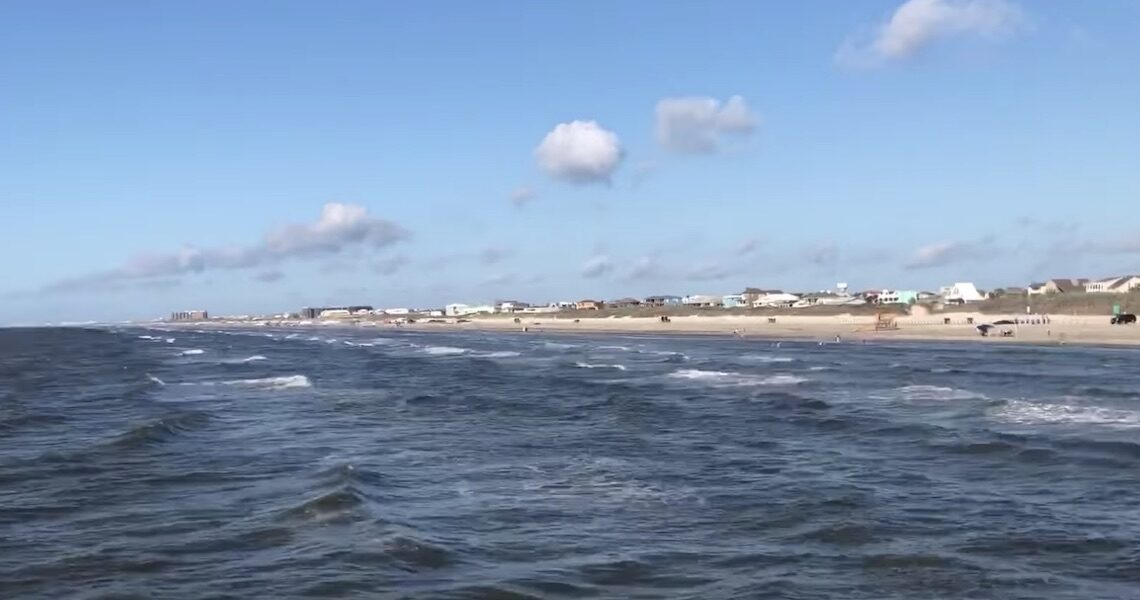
(369, 463)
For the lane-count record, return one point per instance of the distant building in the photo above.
(752, 294)
(774, 299)
(464, 310)
(897, 297)
(510, 306)
(703, 301)
(1113, 285)
(624, 303)
(315, 312)
(589, 305)
(734, 301)
(960, 293)
(662, 301)
(1057, 286)
(189, 315)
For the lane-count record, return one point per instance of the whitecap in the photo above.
(821, 368)
(152, 338)
(443, 350)
(254, 358)
(557, 346)
(169, 340)
(731, 379)
(1030, 413)
(622, 348)
(501, 354)
(192, 352)
(933, 392)
(277, 383)
(765, 358)
(154, 379)
(582, 365)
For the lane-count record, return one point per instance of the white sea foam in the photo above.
(821, 368)
(152, 338)
(582, 365)
(767, 358)
(1029, 413)
(557, 346)
(731, 379)
(192, 352)
(277, 383)
(622, 348)
(443, 350)
(501, 354)
(169, 340)
(254, 358)
(933, 392)
(154, 379)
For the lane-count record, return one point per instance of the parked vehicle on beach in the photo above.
(1124, 319)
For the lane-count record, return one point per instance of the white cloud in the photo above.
(339, 227)
(748, 246)
(918, 23)
(523, 195)
(596, 266)
(697, 124)
(580, 152)
(710, 272)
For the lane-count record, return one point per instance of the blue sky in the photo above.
(261, 156)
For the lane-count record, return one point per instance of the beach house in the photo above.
(590, 305)
(703, 301)
(662, 301)
(1113, 285)
(624, 303)
(961, 293)
(1057, 286)
(897, 297)
(734, 301)
(774, 299)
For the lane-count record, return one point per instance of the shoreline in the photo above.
(1054, 331)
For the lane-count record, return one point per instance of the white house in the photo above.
(1113, 285)
(334, 313)
(775, 299)
(703, 300)
(962, 292)
(463, 310)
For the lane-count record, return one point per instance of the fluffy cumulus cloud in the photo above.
(697, 124)
(339, 227)
(918, 23)
(596, 266)
(523, 195)
(645, 267)
(580, 152)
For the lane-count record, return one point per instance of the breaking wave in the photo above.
(1030, 413)
(443, 350)
(933, 392)
(277, 383)
(583, 365)
(732, 379)
(192, 352)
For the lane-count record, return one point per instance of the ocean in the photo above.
(379, 463)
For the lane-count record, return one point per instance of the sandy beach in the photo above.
(1078, 329)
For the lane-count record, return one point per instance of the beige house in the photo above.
(1056, 286)
(1113, 285)
(590, 305)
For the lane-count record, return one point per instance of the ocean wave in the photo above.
(732, 379)
(558, 346)
(243, 361)
(154, 379)
(933, 392)
(621, 348)
(443, 350)
(766, 358)
(821, 368)
(277, 383)
(1034, 413)
(192, 352)
(160, 430)
(501, 354)
(583, 365)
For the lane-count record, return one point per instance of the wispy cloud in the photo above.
(269, 276)
(493, 255)
(596, 266)
(710, 272)
(390, 265)
(523, 195)
(748, 246)
(339, 227)
(645, 267)
(580, 152)
(917, 24)
(695, 125)
(941, 254)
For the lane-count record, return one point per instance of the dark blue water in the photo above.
(373, 463)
